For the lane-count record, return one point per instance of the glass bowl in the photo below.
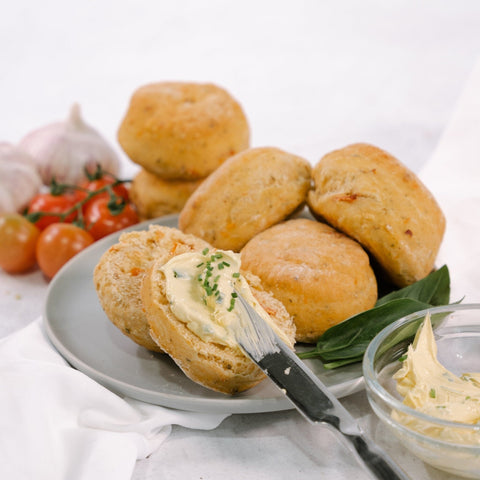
(450, 446)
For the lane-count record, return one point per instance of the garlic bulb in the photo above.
(62, 150)
(19, 180)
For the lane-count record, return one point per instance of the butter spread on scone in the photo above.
(200, 288)
(213, 365)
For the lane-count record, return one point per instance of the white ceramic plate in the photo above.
(81, 332)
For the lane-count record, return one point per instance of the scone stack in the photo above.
(178, 133)
(365, 207)
(368, 218)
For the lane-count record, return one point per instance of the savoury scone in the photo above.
(194, 322)
(119, 273)
(154, 197)
(369, 195)
(183, 131)
(247, 194)
(320, 275)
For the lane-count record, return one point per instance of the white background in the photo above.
(312, 76)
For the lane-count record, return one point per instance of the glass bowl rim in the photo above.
(373, 384)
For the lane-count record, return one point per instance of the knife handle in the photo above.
(305, 390)
(319, 406)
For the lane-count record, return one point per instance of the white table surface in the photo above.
(311, 75)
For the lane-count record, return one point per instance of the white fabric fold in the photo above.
(453, 176)
(57, 423)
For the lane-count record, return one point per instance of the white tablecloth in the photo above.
(312, 76)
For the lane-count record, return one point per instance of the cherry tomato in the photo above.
(54, 204)
(100, 221)
(58, 243)
(18, 238)
(92, 185)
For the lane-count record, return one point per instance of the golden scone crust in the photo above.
(119, 273)
(217, 367)
(154, 197)
(320, 275)
(369, 195)
(183, 130)
(247, 194)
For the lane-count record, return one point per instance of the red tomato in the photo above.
(92, 185)
(100, 221)
(18, 238)
(58, 243)
(52, 204)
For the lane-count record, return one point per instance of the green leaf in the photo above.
(434, 289)
(341, 363)
(346, 342)
(335, 343)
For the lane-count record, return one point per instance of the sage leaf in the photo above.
(347, 341)
(434, 289)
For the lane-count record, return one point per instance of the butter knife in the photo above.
(307, 393)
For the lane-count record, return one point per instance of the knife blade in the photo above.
(305, 390)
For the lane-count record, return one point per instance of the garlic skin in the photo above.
(62, 150)
(19, 179)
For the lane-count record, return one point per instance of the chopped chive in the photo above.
(175, 273)
(403, 358)
(209, 291)
(432, 393)
(236, 275)
(217, 278)
(221, 266)
(204, 251)
(234, 295)
(226, 264)
(199, 265)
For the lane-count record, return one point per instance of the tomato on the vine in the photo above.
(18, 238)
(58, 243)
(119, 190)
(100, 220)
(54, 205)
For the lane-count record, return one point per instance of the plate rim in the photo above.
(229, 404)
